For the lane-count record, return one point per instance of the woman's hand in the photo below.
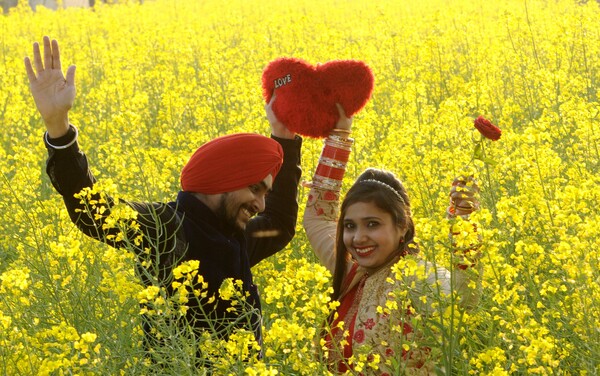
(52, 92)
(464, 195)
(343, 127)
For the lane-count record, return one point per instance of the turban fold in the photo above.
(231, 162)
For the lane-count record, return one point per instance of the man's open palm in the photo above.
(52, 92)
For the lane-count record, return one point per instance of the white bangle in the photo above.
(74, 140)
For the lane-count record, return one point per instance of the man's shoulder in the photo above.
(158, 213)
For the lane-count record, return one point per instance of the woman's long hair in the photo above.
(383, 189)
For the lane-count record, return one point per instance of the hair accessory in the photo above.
(385, 185)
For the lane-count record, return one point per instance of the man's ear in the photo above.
(212, 201)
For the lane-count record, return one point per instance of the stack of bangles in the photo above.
(465, 211)
(451, 211)
(332, 164)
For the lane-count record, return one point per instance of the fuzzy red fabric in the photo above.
(307, 94)
(231, 162)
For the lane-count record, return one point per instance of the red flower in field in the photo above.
(487, 129)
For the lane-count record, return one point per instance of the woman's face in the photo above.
(370, 234)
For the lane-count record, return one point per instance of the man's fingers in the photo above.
(55, 55)
(47, 54)
(30, 72)
(50, 60)
(37, 58)
(270, 104)
(340, 109)
(71, 76)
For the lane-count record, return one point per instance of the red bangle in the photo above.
(330, 172)
(338, 154)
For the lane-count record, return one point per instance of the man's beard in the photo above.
(228, 218)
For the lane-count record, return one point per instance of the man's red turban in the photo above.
(231, 162)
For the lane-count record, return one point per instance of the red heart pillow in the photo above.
(307, 94)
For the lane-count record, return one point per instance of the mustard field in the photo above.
(158, 79)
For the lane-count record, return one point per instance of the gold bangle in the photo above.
(326, 183)
(340, 130)
(465, 208)
(339, 141)
(330, 162)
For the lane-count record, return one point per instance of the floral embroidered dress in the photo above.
(374, 334)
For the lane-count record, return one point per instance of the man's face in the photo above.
(237, 207)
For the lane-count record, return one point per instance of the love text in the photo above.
(279, 82)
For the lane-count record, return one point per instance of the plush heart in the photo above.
(306, 95)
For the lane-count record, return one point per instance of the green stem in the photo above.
(544, 189)
(488, 179)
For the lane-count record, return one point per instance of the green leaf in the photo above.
(477, 153)
(489, 161)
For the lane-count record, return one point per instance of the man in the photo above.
(223, 216)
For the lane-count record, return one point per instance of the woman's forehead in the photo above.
(362, 210)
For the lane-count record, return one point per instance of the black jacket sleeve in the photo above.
(152, 234)
(273, 229)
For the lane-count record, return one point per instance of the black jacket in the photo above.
(186, 229)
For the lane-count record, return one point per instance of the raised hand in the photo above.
(52, 92)
(344, 122)
(278, 129)
(464, 195)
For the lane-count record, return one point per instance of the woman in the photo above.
(363, 248)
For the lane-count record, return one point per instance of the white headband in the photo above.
(386, 186)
